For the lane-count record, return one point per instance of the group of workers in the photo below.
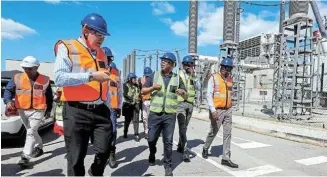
(91, 96)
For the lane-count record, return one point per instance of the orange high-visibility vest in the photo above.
(145, 96)
(83, 62)
(114, 87)
(222, 96)
(30, 96)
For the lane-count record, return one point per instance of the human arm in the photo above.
(49, 99)
(9, 94)
(148, 86)
(182, 89)
(210, 94)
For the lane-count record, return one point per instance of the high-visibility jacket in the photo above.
(30, 96)
(222, 96)
(83, 62)
(164, 100)
(189, 84)
(148, 95)
(114, 87)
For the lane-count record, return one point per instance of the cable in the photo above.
(256, 4)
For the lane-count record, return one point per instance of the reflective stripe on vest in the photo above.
(145, 96)
(83, 62)
(164, 100)
(189, 84)
(30, 96)
(113, 89)
(222, 96)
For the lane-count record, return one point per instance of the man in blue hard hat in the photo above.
(185, 106)
(81, 67)
(114, 102)
(164, 87)
(146, 100)
(220, 109)
(130, 105)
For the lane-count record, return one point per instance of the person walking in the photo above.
(146, 100)
(164, 87)
(130, 109)
(81, 69)
(33, 101)
(220, 110)
(185, 106)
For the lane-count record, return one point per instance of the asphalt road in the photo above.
(256, 155)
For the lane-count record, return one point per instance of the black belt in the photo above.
(84, 106)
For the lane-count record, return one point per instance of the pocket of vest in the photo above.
(172, 89)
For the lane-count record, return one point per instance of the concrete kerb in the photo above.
(298, 133)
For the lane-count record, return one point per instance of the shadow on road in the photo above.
(194, 143)
(137, 168)
(216, 151)
(55, 172)
(129, 154)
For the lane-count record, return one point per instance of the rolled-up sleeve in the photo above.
(210, 94)
(62, 70)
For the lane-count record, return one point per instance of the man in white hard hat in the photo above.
(33, 101)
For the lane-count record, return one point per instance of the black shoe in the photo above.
(23, 162)
(180, 149)
(137, 138)
(205, 153)
(37, 152)
(168, 171)
(90, 172)
(152, 159)
(112, 160)
(125, 135)
(229, 163)
(186, 156)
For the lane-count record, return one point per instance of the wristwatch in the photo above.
(90, 76)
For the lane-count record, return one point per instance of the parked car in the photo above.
(12, 126)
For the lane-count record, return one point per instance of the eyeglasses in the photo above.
(96, 33)
(166, 61)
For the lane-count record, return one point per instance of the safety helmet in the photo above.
(96, 22)
(169, 56)
(227, 62)
(107, 51)
(131, 75)
(29, 62)
(113, 65)
(187, 59)
(147, 71)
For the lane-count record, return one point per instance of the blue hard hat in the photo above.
(107, 51)
(147, 71)
(113, 65)
(227, 62)
(131, 75)
(187, 59)
(96, 22)
(169, 56)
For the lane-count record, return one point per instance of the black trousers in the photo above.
(166, 123)
(79, 125)
(133, 115)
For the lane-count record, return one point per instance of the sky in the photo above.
(33, 28)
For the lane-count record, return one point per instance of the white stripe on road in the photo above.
(313, 160)
(261, 170)
(251, 172)
(249, 145)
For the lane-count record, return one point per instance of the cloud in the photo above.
(160, 8)
(14, 30)
(52, 1)
(210, 24)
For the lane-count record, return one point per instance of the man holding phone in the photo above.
(164, 87)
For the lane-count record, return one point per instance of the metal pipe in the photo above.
(282, 16)
(318, 19)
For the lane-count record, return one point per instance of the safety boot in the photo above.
(205, 153)
(186, 156)
(168, 171)
(112, 160)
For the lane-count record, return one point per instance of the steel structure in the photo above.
(293, 83)
(193, 27)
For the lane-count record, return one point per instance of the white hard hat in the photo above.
(29, 62)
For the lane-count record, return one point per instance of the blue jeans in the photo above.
(113, 118)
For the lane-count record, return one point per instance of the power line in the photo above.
(257, 4)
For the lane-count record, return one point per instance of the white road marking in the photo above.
(249, 145)
(261, 170)
(251, 172)
(312, 161)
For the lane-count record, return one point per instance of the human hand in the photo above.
(100, 76)
(180, 91)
